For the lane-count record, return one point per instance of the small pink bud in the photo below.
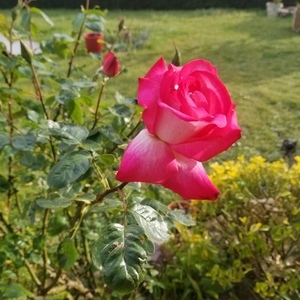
(111, 65)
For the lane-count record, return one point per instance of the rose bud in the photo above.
(111, 65)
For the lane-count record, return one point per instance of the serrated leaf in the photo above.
(152, 222)
(53, 203)
(24, 142)
(66, 254)
(180, 216)
(69, 169)
(121, 253)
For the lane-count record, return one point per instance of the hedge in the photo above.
(149, 4)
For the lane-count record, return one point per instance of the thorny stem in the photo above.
(98, 105)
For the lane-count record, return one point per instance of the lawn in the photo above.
(257, 58)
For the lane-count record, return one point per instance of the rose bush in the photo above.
(189, 118)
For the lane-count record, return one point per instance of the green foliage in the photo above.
(59, 197)
(64, 219)
(245, 246)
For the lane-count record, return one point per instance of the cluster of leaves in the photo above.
(65, 222)
(245, 246)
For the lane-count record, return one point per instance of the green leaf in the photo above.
(111, 135)
(72, 132)
(121, 252)
(121, 110)
(94, 22)
(152, 222)
(41, 13)
(75, 111)
(32, 161)
(85, 84)
(26, 20)
(66, 254)
(77, 22)
(69, 169)
(180, 216)
(16, 291)
(110, 206)
(4, 139)
(53, 203)
(107, 160)
(4, 184)
(24, 142)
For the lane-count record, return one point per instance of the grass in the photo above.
(257, 58)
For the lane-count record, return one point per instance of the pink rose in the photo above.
(111, 65)
(190, 118)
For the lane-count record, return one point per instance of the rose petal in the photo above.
(191, 181)
(197, 65)
(147, 159)
(214, 142)
(169, 127)
(149, 86)
(157, 69)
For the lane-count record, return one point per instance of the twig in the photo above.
(98, 105)
(77, 41)
(45, 251)
(52, 284)
(100, 197)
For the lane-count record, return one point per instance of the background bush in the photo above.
(149, 4)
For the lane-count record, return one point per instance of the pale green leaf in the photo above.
(53, 203)
(154, 225)
(121, 253)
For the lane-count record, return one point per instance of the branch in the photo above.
(100, 197)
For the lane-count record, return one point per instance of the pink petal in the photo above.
(157, 69)
(171, 126)
(216, 141)
(198, 65)
(147, 159)
(191, 181)
(148, 91)
(149, 86)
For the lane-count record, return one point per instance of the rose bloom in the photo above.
(111, 65)
(189, 118)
